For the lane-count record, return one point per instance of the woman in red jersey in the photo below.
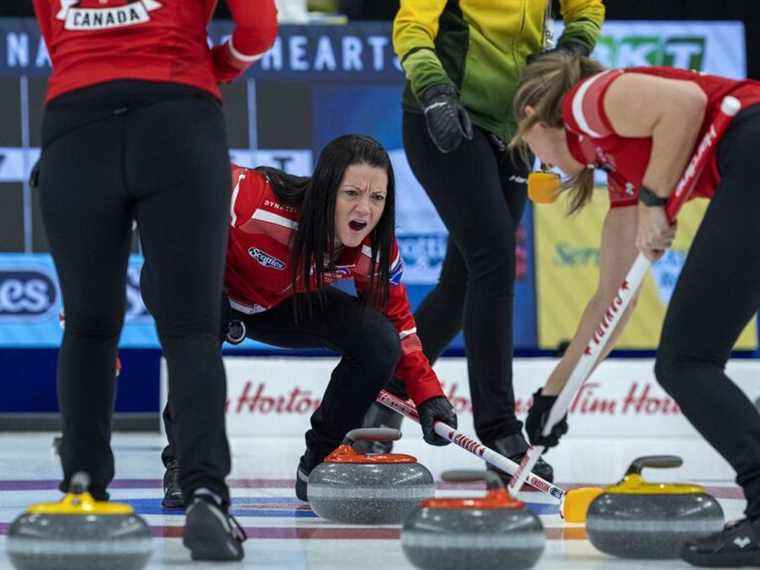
(290, 238)
(133, 129)
(642, 125)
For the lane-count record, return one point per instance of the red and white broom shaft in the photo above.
(469, 444)
(730, 106)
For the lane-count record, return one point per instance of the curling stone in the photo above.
(79, 532)
(638, 519)
(494, 531)
(352, 487)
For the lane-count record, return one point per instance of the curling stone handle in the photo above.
(655, 461)
(471, 475)
(372, 434)
(79, 483)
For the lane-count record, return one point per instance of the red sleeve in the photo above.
(583, 106)
(622, 193)
(413, 368)
(254, 33)
(42, 10)
(247, 189)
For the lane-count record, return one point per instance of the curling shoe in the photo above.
(738, 544)
(514, 447)
(211, 533)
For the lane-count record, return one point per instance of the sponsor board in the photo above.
(292, 161)
(567, 253)
(30, 301)
(423, 255)
(16, 162)
(364, 51)
(711, 47)
(28, 294)
(276, 396)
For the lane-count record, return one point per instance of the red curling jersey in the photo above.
(592, 140)
(94, 41)
(258, 274)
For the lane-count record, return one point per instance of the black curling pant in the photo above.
(369, 347)
(479, 193)
(155, 153)
(717, 294)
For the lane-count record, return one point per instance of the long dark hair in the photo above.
(542, 85)
(313, 250)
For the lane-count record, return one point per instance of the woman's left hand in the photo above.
(655, 233)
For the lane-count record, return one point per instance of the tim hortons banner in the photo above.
(275, 396)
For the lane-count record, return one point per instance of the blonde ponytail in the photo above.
(542, 86)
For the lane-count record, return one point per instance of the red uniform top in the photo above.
(94, 41)
(592, 140)
(259, 276)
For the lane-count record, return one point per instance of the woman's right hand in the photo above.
(437, 408)
(446, 119)
(537, 417)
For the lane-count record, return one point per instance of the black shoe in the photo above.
(302, 477)
(738, 544)
(514, 446)
(211, 533)
(378, 416)
(173, 498)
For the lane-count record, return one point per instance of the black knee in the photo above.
(670, 370)
(386, 346)
(190, 347)
(377, 344)
(94, 326)
(189, 325)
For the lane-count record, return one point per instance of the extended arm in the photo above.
(616, 254)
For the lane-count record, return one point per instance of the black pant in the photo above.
(717, 294)
(366, 340)
(155, 153)
(479, 193)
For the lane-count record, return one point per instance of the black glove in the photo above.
(436, 408)
(570, 47)
(447, 121)
(537, 416)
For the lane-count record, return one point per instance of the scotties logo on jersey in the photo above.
(102, 18)
(265, 259)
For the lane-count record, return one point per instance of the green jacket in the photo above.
(481, 46)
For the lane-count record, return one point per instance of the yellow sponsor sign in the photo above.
(567, 271)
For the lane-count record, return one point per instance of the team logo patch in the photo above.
(104, 18)
(265, 259)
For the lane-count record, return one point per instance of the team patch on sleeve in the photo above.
(397, 269)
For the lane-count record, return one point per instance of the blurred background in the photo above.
(333, 71)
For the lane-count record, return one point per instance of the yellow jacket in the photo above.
(481, 46)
